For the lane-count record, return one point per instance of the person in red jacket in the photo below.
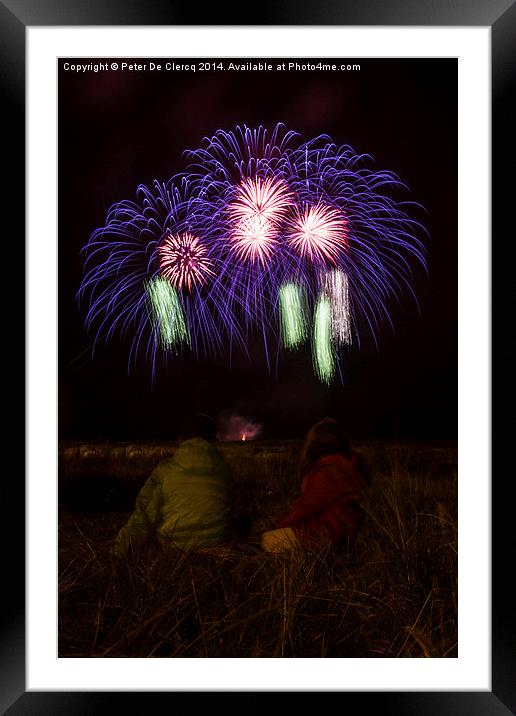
(328, 511)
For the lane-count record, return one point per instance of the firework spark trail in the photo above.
(167, 313)
(336, 288)
(230, 156)
(323, 352)
(292, 316)
(184, 260)
(319, 232)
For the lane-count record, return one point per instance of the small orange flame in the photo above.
(244, 437)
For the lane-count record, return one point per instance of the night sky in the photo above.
(120, 129)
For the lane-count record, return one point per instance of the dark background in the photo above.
(120, 129)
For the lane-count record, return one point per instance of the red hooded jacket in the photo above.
(328, 508)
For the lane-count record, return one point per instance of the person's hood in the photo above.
(336, 459)
(197, 454)
(352, 465)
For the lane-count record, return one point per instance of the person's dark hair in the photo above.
(327, 437)
(199, 426)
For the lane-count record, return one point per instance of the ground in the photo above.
(393, 595)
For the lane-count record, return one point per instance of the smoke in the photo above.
(237, 427)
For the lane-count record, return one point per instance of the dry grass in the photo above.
(393, 595)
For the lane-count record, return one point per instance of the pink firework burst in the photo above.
(320, 232)
(256, 212)
(183, 260)
(269, 198)
(254, 238)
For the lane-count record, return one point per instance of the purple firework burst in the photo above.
(143, 240)
(381, 239)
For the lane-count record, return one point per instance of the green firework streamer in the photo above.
(292, 315)
(168, 314)
(323, 353)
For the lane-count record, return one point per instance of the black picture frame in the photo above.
(500, 16)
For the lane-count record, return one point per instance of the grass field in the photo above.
(394, 595)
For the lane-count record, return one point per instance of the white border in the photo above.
(471, 670)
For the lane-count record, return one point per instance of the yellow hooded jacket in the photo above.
(184, 502)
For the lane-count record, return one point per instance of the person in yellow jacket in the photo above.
(185, 502)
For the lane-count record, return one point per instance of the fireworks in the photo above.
(262, 229)
(167, 313)
(228, 157)
(256, 213)
(293, 322)
(268, 198)
(184, 261)
(319, 232)
(380, 239)
(336, 288)
(323, 353)
(253, 238)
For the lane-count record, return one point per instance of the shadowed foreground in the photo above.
(393, 595)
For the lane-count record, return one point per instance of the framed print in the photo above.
(358, 289)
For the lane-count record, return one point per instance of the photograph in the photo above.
(258, 327)
(257, 357)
